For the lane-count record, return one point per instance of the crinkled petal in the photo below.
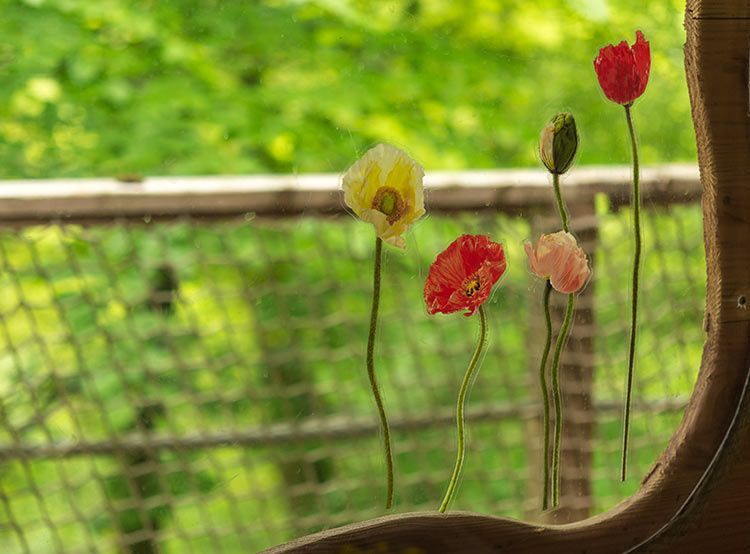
(642, 56)
(468, 258)
(533, 262)
(558, 257)
(398, 241)
(385, 166)
(623, 71)
(445, 277)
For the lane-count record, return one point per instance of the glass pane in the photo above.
(197, 382)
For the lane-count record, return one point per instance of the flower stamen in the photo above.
(462, 275)
(472, 287)
(388, 201)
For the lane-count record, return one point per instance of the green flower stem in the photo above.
(560, 204)
(556, 359)
(634, 309)
(468, 377)
(545, 394)
(371, 372)
(558, 398)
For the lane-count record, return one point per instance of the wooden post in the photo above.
(141, 466)
(295, 398)
(576, 373)
(141, 473)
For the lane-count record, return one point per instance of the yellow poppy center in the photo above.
(472, 287)
(389, 202)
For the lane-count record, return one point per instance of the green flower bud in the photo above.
(558, 143)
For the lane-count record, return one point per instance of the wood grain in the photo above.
(701, 9)
(657, 518)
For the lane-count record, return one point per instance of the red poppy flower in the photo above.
(462, 275)
(623, 70)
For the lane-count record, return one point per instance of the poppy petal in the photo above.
(623, 71)
(462, 276)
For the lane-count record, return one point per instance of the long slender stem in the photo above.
(371, 372)
(634, 308)
(545, 394)
(556, 359)
(468, 378)
(557, 395)
(560, 204)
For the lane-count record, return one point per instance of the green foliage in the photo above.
(207, 87)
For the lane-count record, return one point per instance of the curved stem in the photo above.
(371, 372)
(634, 308)
(468, 377)
(560, 204)
(545, 394)
(557, 395)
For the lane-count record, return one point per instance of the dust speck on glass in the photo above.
(237, 240)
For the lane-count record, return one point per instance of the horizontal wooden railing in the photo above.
(310, 429)
(29, 202)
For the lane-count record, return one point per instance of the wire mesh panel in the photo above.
(200, 387)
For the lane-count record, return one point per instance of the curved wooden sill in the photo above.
(697, 498)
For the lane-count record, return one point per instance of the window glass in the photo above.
(188, 373)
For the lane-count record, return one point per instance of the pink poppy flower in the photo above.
(558, 257)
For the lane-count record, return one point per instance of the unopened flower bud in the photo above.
(558, 143)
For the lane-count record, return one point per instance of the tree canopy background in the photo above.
(231, 87)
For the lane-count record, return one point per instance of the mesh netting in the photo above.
(200, 387)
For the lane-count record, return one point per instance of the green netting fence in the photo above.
(199, 386)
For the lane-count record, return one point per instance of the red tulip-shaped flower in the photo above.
(623, 74)
(623, 70)
(462, 276)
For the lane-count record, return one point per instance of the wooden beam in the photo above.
(29, 202)
(312, 429)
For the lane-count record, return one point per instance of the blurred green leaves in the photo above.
(208, 87)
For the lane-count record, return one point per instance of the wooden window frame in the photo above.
(697, 497)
